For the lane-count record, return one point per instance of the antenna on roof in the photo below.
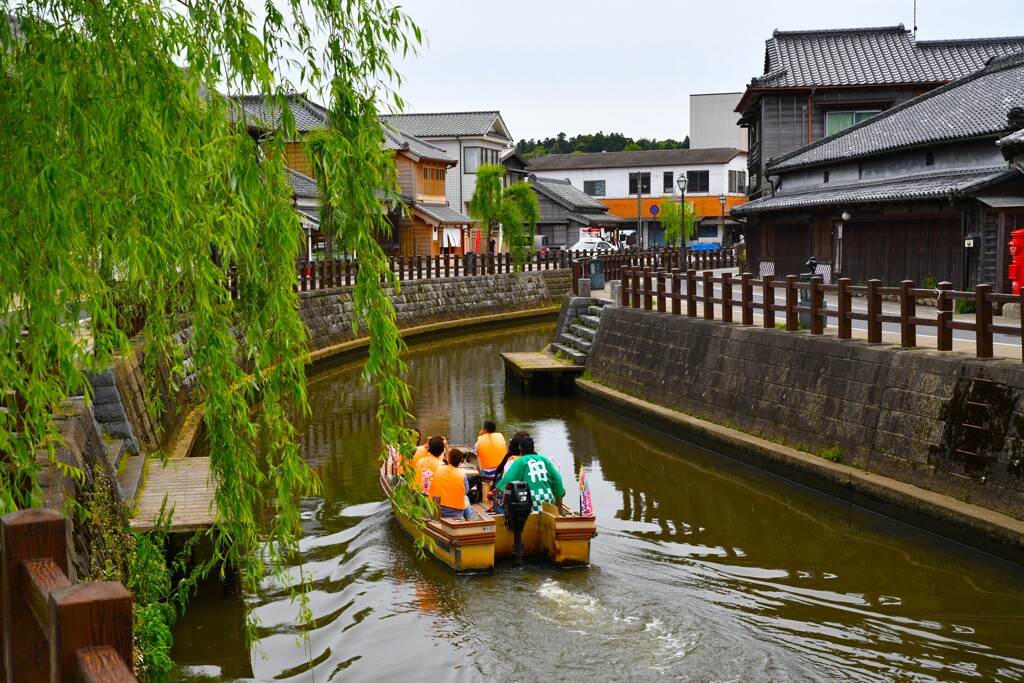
(915, 18)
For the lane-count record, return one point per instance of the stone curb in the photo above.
(977, 527)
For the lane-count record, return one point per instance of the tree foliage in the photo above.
(492, 204)
(671, 216)
(121, 167)
(597, 142)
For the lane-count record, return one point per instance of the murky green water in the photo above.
(703, 570)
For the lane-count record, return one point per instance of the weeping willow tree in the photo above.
(493, 204)
(122, 169)
(672, 216)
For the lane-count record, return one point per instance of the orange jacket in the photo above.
(449, 483)
(491, 449)
(427, 464)
(421, 452)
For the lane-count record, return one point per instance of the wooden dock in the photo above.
(189, 490)
(527, 369)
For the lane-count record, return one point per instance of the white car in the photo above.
(592, 245)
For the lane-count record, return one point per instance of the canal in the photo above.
(704, 569)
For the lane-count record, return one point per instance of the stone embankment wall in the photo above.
(328, 314)
(945, 422)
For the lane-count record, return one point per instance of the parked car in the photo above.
(590, 244)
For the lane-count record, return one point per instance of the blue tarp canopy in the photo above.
(705, 247)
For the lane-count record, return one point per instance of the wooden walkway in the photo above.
(186, 483)
(522, 369)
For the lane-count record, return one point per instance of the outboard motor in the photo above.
(518, 504)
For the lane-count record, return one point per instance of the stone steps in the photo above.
(579, 343)
(588, 333)
(577, 357)
(130, 483)
(592, 321)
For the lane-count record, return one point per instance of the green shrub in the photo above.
(833, 453)
(964, 306)
(929, 282)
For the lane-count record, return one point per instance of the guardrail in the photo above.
(54, 631)
(660, 289)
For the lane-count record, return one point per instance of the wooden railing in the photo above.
(667, 290)
(663, 258)
(54, 631)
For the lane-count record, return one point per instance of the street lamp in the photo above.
(721, 200)
(681, 184)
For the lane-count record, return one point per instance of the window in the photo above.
(668, 186)
(707, 230)
(698, 181)
(737, 182)
(595, 188)
(645, 183)
(825, 178)
(477, 156)
(836, 121)
(433, 181)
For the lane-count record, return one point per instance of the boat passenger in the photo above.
(450, 486)
(400, 465)
(538, 472)
(490, 446)
(514, 451)
(421, 449)
(425, 468)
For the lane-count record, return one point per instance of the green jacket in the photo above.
(540, 475)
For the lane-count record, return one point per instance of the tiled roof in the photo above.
(569, 196)
(908, 188)
(257, 113)
(661, 157)
(973, 106)
(442, 214)
(399, 140)
(594, 218)
(445, 124)
(871, 56)
(302, 185)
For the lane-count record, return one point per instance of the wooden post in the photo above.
(624, 288)
(709, 295)
(944, 315)
(447, 260)
(660, 277)
(817, 305)
(908, 310)
(691, 293)
(768, 300)
(983, 320)
(303, 284)
(648, 294)
(845, 300)
(636, 287)
(792, 319)
(746, 298)
(727, 297)
(27, 535)
(89, 615)
(676, 292)
(874, 311)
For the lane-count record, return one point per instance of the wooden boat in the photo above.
(472, 545)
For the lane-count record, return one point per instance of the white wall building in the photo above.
(714, 121)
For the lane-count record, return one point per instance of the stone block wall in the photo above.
(328, 314)
(911, 415)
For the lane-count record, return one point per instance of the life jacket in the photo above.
(421, 452)
(426, 465)
(491, 449)
(448, 483)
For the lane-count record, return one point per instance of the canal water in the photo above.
(703, 570)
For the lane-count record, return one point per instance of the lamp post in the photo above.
(681, 184)
(721, 200)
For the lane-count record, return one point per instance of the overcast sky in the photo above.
(629, 67)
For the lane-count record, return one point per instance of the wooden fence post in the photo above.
(845, 301)
(768, 301)
(636, 287)
(944, 316)
(874, 312)
(27, 535)
(709, 295)
(908, 310)
(660, 277)
(676, 292)
(85, 616)
(624, 287)
(746, 298)
(648, 294)
(691, 293)
(792, 319)
(983, 320)
(727, 297)
(817, 305)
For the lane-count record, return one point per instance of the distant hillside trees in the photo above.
(598, 142)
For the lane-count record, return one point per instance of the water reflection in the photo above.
(703, 570)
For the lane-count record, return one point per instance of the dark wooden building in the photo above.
(817, 83)
(565, 211)
(895, 196)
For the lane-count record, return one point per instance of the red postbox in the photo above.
(1016, 266)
